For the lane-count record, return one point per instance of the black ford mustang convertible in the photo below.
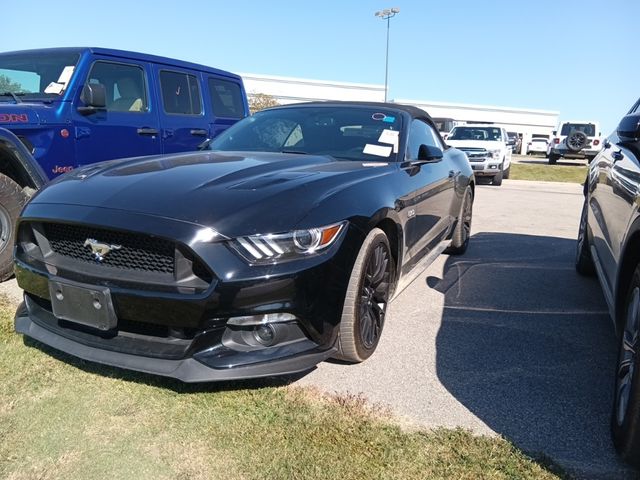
(278, 246)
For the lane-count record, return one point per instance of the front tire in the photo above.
(462, 232)
(497, 179)
(584, 260)
(507, 172)
(625, 420)
(12, 199)
(366, 300)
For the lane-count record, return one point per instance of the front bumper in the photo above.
(185, 333)
(485, 168)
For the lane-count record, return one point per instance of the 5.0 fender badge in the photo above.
(100, 250)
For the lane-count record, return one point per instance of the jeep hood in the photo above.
(236, 193)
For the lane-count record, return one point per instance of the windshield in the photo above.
(350, 133)
(443, 125)
(35, 75)
(588, 129)
(475, 133)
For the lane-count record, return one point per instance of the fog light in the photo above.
(264, 334)
(261, 319)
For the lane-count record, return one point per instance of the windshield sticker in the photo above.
(377, 150)
(390, 137)
(382, 117)
(389, 119)
(65, 76)
(374, 164)
(55, 88)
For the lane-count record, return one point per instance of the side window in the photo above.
(226, 98)
(180, 93)
(125, 86)
(421, 133)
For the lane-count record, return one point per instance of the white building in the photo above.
(286, 90)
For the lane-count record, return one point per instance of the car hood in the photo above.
(237, 193)
(489, 145)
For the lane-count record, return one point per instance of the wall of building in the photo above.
(287, 90)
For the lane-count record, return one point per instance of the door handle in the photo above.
(147, 131)
(200, 132)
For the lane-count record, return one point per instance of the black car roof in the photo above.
(414, 112)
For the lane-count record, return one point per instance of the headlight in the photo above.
(495, 153)
(280, 247)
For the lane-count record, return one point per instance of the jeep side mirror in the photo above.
(629, 128)
(428, 154)
(94, 96)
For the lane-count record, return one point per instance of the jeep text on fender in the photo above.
(67, 107)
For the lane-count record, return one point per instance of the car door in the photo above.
(613, 201)
(431, 193)
(226, 101)
(184, 123)
(128, 126)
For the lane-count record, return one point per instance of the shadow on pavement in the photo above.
(527, 346)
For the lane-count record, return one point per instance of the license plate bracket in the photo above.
(90, 306)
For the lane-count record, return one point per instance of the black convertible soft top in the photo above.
(415, 112)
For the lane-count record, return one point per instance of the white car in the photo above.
(487, 148)
(575, 140)
(537, 145)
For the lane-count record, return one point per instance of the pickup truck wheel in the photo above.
(584, 261)
(365, 304)
(625, 420)
(553, 158)
(507, 172)
(12, 199)
(462, 232)
(497, 179)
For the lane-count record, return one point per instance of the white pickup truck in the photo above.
(487, 148)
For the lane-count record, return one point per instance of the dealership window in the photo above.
(125, 86)
(180, 93)
(226, 98)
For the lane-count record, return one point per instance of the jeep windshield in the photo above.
(359, 134)
(589, 129)
(475, 133)
(35, 75)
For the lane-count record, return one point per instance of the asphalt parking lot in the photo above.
(506, 339)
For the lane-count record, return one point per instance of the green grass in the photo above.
(62, 418)
(549, 173)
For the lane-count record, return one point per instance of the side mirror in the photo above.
(94, 96)
(629, 128)
(429, 154)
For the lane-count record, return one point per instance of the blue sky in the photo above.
(571, 56)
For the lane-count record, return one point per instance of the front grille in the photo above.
(137, 251)
(475, 154)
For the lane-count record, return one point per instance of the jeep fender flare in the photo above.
(17, 163)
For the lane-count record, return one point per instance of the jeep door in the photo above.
(128, 126)
(184, 123)
(225, 99)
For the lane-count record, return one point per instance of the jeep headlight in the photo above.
(494, 154)
(281, 247)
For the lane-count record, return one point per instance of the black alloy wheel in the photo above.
(367, 298)
(584, 260)
(625, 421)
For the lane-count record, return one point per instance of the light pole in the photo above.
(387, 14)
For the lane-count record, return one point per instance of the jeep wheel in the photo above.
(12, 199)
(576, 141)
(553, 158)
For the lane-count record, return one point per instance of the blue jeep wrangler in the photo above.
(65, 107)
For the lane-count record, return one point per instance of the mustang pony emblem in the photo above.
(100, 250)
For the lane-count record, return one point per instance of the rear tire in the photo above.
(584, 260)
(553, 158)
(462, 232)
(625, 420)
(366, 300)
(12, 199)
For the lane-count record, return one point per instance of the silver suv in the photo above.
(576, 140)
